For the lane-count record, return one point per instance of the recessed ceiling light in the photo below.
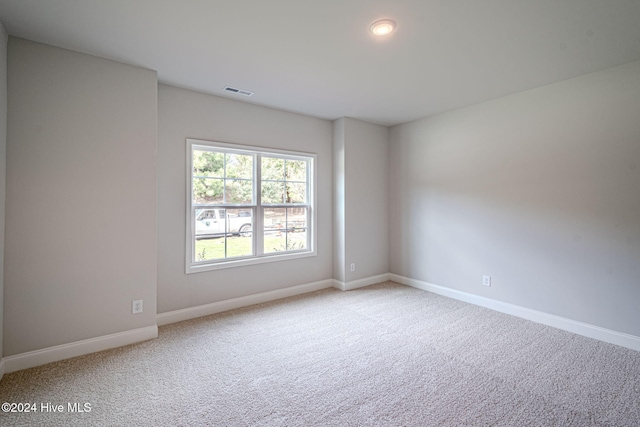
(382, 27)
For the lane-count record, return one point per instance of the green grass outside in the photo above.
(207, 249)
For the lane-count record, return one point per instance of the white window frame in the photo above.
(259, 257)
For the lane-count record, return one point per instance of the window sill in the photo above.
(242, 262)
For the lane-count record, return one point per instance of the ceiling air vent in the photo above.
(238, 91)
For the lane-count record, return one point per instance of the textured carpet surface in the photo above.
(385, 355)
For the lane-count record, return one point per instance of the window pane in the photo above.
(296, 193)
(285, 229)
(206, 250)
(207, 190)
(238, 246)
(272, 193)
(297, 241)
(211, 249)
(223, 233)
(239, 191)
(296, 229)
(275, 243)
(238, 243)
(272, 168)
(239, 166)
(209, 243)
(296, 170)
(208, 163)
(275, 238)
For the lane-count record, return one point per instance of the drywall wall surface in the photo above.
(186, 114)
(539, 190)
(81, 197)
(339, 175)
(3, 165)
(366, 199)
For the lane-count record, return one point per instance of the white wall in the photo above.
(361, 174)
(186, 114)
(81, 197)
(540, 190)
(3, 168)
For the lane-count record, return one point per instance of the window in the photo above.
(247, 205)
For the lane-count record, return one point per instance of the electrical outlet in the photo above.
(486, 280)
(353, 266)
(136, 306)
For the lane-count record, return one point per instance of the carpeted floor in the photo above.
(385, 355)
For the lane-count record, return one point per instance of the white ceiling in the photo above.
(318, 58)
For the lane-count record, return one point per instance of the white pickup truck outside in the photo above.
(213, 222)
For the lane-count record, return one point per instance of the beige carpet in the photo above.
(386, 355)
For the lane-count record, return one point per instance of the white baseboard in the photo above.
(92, 345)
(230, 304)
(607, 335)
(78, 348)
(360, 283)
